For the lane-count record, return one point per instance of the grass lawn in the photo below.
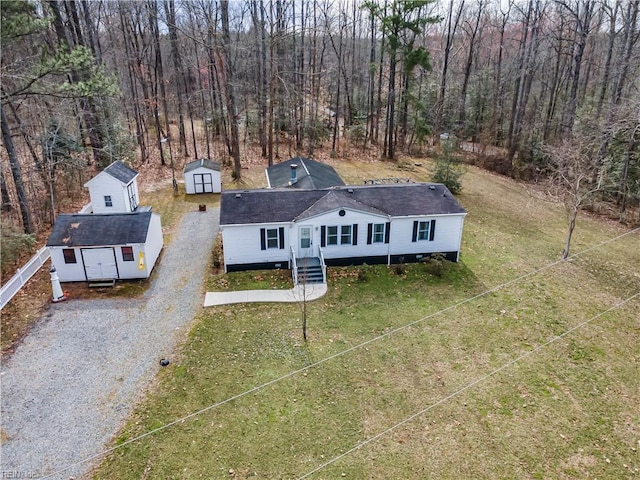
(568, 410)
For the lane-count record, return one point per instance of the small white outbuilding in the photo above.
(202, 176)
(114, 246)
(114, 190)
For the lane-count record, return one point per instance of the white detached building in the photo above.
(119, 240)
(202, 176)
(114, 190)
(344, 225)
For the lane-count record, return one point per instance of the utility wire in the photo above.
(335, 355)
(463, 389)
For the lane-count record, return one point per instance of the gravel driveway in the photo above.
(74, 380)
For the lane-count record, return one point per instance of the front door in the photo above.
(203, 182)
(306, 242)
(99, 263)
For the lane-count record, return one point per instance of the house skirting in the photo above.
(344, 262)
(383, 259)
(239, 267)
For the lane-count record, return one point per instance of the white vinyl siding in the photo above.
(150, 251)
(109, 195)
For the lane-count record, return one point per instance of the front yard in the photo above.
(388, 343)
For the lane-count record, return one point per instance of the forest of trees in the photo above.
(87, 82)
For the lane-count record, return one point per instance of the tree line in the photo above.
(86, 83)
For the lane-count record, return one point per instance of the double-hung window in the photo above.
(108, 202)
(339, 235)
(423, 230)
(378, 233)
(272, 238)
(345, 235)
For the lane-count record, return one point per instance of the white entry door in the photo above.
(306, 241)
(100, 263)
(203, 182)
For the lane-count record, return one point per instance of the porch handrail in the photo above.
(294, 266)
(324, 266)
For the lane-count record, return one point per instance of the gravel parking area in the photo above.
(74, 380)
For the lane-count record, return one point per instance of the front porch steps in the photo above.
(309, 270)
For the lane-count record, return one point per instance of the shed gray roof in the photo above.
(94, 229)
(310, 174)
(286, 205)
(203, 162)
(120, 171)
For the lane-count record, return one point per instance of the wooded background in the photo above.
(548, 88)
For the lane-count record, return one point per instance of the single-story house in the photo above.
(202, 176)
(90, 247)
(114, 190)
(302, 173)
(277, 228)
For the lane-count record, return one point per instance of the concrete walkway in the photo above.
(312, 291)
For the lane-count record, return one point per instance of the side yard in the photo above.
(382, 349)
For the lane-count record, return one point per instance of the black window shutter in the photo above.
(369, 233)
(355, 234)
(432, 230)
(323, 240)
(387, 232)
(415, 231)
(263, 239)
(281, 235)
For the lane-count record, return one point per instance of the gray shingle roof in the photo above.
(203, 162)
(120, 171)
(285, 205)
(94, 229)
(310, 174)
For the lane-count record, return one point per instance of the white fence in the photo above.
(22, 276)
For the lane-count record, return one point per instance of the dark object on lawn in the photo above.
(202, 207)
(164, 362)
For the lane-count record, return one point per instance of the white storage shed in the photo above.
(202, 176)
(92, 247)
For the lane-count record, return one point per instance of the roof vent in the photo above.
(432, 187)
(238, 195)
(350, 190)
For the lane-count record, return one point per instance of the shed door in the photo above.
(100, 263)
(203, 182)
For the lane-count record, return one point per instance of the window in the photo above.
(378, 233)
(107, 201)
(127, 254)
(69, 255)
(345, 235)
(272, 238)
(133, 201)
(423, 230)
(339, 235)
(332, 235)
